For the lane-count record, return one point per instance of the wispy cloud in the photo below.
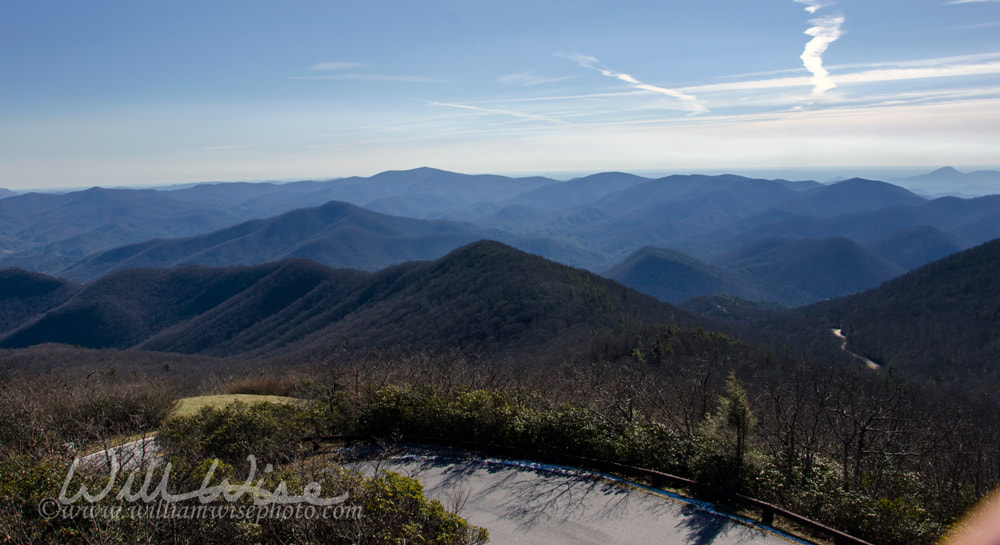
(909, 70)
(933, 61)
(690, 102)
(975, 26)
(825, 31)
(373, 77)
(495, 111)
(812, 6)
(965, 1)
(335, 65)
(529, 79)
(340, 66)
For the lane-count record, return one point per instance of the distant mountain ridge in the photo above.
(485, 294)
(47, 232)
(950, 181)
(674, 277)
(336, 234)
(787, 271)
(592, 222)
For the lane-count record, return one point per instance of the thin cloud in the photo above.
(690, 101)
(933, 61)
(512, 113)
(965, 2)
(529, 79)
(587, 96)
(975, 26)
(335, 65)
(812, 6)
(825, 31)
(373, 77)
(904, 71)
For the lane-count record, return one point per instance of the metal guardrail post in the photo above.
(767, 516)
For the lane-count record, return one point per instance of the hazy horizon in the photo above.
(890, 174)
(151, 94)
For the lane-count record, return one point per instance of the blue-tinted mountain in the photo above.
(336, 234)
(577, 192)
(115, 216)
(785, 271)
(45, 232)
(591, 222)
(973, 221)
(485, 295)
(852, 196)
(667, 212)
(949, 181)
(914, 246)
(805, 271)
(675, 277)
(516, 218)
(729, 308)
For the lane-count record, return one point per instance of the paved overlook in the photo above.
(529, 502)
(524, 502)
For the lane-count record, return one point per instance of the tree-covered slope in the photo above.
(939, 321)
(485, 295)
(674, 277)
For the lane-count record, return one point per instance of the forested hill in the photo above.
(25, 294)
(484, 295)
(337, 234)
(939, 321)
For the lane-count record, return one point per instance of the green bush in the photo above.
(404, 515)
(271, 432)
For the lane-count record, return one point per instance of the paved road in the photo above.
(132, 455)
(521, 502)
(526, 502)
(839, 333)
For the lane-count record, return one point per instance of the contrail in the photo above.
(690, 101)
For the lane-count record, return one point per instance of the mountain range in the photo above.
(765, 240)
(938, 322)
(485, 295)
(949, 181)
(786, 271)
(336, 234)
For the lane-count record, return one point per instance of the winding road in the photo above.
(839, 333)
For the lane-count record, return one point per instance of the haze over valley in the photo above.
(677, 237)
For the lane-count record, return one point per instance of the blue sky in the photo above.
(144, 92)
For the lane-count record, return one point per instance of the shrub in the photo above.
(270, 432)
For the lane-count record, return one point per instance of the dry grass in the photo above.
(262, 385)
(191, 405)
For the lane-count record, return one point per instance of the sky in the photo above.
(142, 92)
